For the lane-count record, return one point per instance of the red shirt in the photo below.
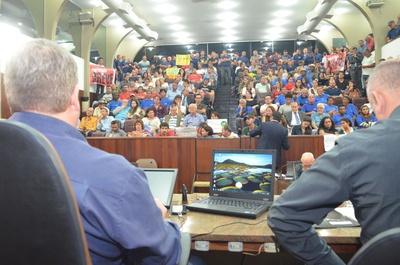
(169, 133)
(125, 95)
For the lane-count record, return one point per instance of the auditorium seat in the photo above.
(40, 222)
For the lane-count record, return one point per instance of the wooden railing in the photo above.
(191, 155)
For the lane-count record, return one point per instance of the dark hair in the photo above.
(227, 128)
(308, 130)
(347, 121)
(133, 110)
(138, 121)
(321, 126)
(215, 113)
(209, 130)
(164, 124)
(148, 110)
(277, 116)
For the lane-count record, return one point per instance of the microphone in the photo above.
(184, 194)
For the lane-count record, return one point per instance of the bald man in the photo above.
(362, 167)
(307, 160)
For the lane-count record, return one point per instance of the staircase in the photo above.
(226, 105)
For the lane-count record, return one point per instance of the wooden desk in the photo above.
(342, 240)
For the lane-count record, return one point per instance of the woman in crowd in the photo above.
(159, 109)
(345, 126)
(304, 128)
(157, 85)
(326, 126)
(365, 118)
(322, 81)
(290, 84)
(266, 116)
(314, 88)
(151, 121)
(243, 84)
(276, 90)
(298, 86)
(249, 88)
(139, 130)
(250, 100)
(206, 132)
(352, 91)
(140, 94)
(135, 110)
(180, 109)
(304, 82)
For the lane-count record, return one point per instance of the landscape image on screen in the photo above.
(246, 173)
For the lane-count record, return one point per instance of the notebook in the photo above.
(162, 183)
(241, 183)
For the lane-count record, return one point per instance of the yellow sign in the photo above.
(182, 59)
(171, 73)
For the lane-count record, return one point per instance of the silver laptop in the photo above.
(241, 183)
(162, 183)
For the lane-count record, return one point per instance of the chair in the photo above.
(40, 222)
(381, 249)
(99, 134)
(147, 163)
(186, 243)
(358, 102)
(338, 101)
(129, 125)
(201, 184)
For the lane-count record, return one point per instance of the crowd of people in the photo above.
(301, 85)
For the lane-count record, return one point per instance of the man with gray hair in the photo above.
(122, 222)
(349, 171)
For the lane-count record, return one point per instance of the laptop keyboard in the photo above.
(234, 203)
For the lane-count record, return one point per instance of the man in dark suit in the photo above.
(272, 136)
(291, 116)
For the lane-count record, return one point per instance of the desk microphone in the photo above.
(184, 194)
(280, 173)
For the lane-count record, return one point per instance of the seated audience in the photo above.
(173, 118)
(317, 117)
(114, 103)
(304, 128)
(365, 119)
(241, 112)
(311, 106)
(268, 102)
(326, 126)
(346, 126)
(193, 119)
(342, 114)
(287, 106)
(303, 97)
(121, 112)
(226, 132)
(206, 132)
(351, 110)
(164, 130)
(250, 122)
(101, 105)
(151, 121)
(294, 117)
(135, 110)
(159, 110)
(139, 130)
(352, 91)
(266, 116)
(88, 123)
(333, 90)
(104, 122)
(115, 131)
(330, 108)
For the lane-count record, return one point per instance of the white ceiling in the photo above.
(215, 21)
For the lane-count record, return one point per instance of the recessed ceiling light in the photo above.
(287, 3)
(229, 38)
(228, 32)
(184, 40)
(162, 8)
(181, 34)
(279, 22)
(228, 15)
(275, 30)
(176, 26)
(227, 4)
(172, 19)
(227, 24)
(283, 13)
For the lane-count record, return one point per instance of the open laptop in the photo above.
(162, 183)
(241, 183)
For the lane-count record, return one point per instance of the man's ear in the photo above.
(379, 104)
(74, 103)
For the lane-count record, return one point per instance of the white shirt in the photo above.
(367, 61)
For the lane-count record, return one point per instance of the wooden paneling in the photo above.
(192, 155)
(205, 147)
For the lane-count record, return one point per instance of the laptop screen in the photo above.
(162, 183)
(243, 173)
